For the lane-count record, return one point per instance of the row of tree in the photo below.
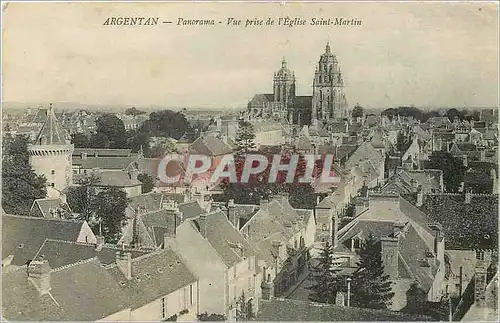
(370, 287)
(111, 133)
(423, 116)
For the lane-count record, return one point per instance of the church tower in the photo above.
(284, 89)
(51, 154)
(329, 100)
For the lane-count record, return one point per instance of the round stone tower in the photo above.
(50, 154)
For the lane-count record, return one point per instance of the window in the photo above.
(53, 172)
(479, 255)
(52, 184)
(163, 307)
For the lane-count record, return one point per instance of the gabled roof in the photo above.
(228, 242)
(147, 202)
(22, 236)
(116, 179)
(365, 152)
(49, 207)
(191, 209)
(63, 253)
(259, 99)
(153, 276)
(210, 146)
(82, 292)
(104, 163)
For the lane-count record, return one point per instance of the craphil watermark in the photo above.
(175, 168)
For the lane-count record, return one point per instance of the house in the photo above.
(408, 181)
(412, 254)
(23, 236)
(285, 236)
(101, 152)
(127, 181)
(50, 208)
(224, 261)
(369, 162)
(84, 164)
(152, 287)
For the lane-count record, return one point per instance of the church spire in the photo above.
(328, 50)
(283, 62)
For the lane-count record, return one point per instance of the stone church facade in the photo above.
(327, 103)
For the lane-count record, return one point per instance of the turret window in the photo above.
(52, 184)
(53, 172)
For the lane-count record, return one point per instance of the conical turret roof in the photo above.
(50, 134)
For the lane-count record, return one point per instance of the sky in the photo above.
(422, 54)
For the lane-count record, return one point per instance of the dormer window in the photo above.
(479, 255)
(53, 172)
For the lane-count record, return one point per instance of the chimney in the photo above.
(264, 203)
(267, 287)
(414, 183)
(483, 155)
(202, 222)
(397, 228)
(437, 230)
(480, 283)
(133, 174)
(283, 198)
(124, 263)
(317, 200)
(390, 250)
(335, 229)
(468, 195)
(231, 214)
(99, 243)
(420, 196)
(84, 156)
(464, 160)
(39, 274)
(174, 218)
(340, 299)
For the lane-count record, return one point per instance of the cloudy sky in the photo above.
(426, 54)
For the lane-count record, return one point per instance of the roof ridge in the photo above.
(42, 218)
(80, 262)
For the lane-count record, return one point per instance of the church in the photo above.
(327, 103)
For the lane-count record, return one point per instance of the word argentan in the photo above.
(201, 165)
(131, 21)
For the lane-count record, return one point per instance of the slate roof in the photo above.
(104, 163)
(147, 202)
(50, 134)
(83, 292)
(91, 152)
(259, 99)
(116, 179)
(153, 276)
(225, 238)
(466, 226)
(190, 209)
(429, 179)
(210, 146)
(63, 253)
(365, 152)
(23, 236)
(45, 206)
(294, 310)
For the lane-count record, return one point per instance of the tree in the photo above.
(110, 205)
(357, 111)
(134, 112)
(325, 276)
(452, 167)
(147, 182)
(454, 113)
(81, 198)
(243, 309)
(166, 123)
(99, 140)
(113, 128)
(20, 184)
(371, 288)
(80, 140)
(245, 136)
